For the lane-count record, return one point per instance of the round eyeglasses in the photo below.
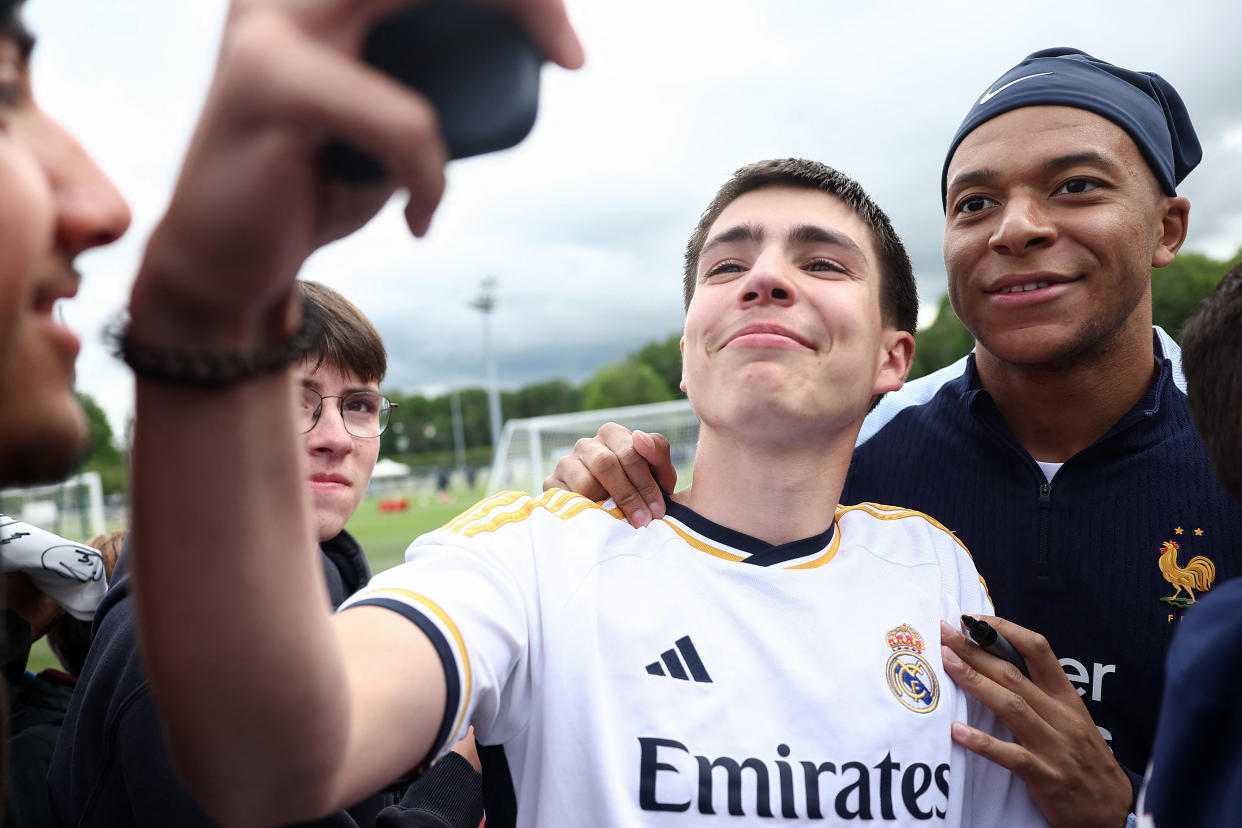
(364, 413)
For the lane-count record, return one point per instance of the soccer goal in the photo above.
(529, 448)
(72, 509)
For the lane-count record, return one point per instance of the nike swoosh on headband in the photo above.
(992, 93)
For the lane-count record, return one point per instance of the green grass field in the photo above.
(384, 536)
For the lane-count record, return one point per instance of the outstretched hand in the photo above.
(633, 468)
(1059, 753)
(251, 202)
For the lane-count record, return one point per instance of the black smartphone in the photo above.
(475, 63)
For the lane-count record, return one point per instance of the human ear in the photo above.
(1174, 221)
(682, 347)
(896, 357)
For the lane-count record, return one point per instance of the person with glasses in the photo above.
(111, 766)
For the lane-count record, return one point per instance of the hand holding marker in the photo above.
(991, 641)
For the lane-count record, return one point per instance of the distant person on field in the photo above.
(112, 766)
(1195, 777)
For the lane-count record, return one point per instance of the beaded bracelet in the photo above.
(204, 369)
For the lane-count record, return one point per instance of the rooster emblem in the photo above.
(1198, 573)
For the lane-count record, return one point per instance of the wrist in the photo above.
(208, 367)
(174, 304)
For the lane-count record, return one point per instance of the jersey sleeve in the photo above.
(476, 599)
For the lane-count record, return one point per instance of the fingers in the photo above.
(643, 496)
(990, 666)
(313, 85)
(1048, 690)
(1041, 661)
(1060, 755)
(608, 465)
(655, 449)
(549, 26)
(1075, 781)
(989, 679)
(999, 685)
(572, 474)
(546, 21)
(290, 73)
(1009, 755)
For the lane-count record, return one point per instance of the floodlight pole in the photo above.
(459, 434)
(485, 303)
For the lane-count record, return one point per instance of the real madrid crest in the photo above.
(910, 677)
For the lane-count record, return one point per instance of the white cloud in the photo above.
(1232, 139)
(583, 223)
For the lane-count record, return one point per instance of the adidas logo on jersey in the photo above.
(676, 669)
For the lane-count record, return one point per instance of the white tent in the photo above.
(389, 469)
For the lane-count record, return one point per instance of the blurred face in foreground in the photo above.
(340, 463)
(784, 330)
(54, 204)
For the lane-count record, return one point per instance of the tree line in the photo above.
(421, 429)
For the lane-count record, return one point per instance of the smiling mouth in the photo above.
(1024, 288)
(773, 333)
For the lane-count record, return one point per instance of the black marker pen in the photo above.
(991, 641)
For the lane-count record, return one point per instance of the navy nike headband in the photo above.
(1144, 104)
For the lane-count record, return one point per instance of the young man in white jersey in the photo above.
(753, 656)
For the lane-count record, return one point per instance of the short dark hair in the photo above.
(899, 297)
(9, 13)
(341, 335)
(12, 26)
(1212, 362)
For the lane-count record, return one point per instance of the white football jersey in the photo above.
(687, 674)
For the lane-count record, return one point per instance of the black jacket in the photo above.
(36, 708)
(111, 766)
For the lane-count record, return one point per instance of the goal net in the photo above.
(72, 509)
(529, 448)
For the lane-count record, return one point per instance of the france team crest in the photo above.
(910, 677)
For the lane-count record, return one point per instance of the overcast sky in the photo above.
(584, 223)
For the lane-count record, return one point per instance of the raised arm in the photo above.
(229, 589)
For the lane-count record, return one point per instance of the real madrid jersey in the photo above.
(687, 674)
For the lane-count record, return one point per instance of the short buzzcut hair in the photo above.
(341, 336)
(1212, 363)
(899, 298)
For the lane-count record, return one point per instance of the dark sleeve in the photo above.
(154, 793)
(30, 755)
(448, 795)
